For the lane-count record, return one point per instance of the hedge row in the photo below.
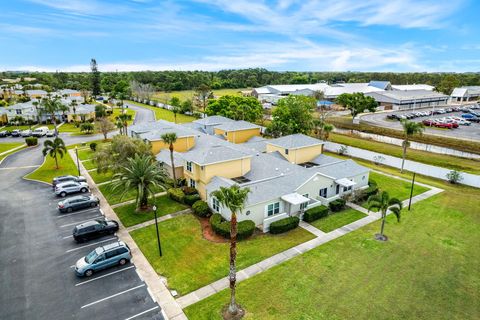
(176, 194)
(284, 225)
(31, 141)
(191, 199)
(201, 209)
(337, 205)
(315, 213)
(222, 227)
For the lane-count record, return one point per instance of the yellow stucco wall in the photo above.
(298, 155)
(77, 117)
(239, 136)
(181, 145)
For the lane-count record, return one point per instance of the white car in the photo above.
(26, 133)
(40, 132)
(62, 189)
(50, 133)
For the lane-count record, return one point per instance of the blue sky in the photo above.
(339, 35)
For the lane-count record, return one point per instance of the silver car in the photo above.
(62, 189)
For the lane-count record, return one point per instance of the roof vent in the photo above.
(276, 169)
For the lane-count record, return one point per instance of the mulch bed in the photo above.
(208, 233)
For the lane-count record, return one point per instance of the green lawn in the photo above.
(70, 128)
(4, 147)
(85, 154)
(190, 262)
(118, 111)
(115, 197)
(11, 152)
(89, 165)
(450, 162)
(189, 94)
(48, 171)
(100, 177)
(130, 217)
(165, 114)
(427, 270)
(338, 219)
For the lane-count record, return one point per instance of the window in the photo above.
(192, 183)
(303, 205)
(323, 192)
(215, 205)
(273, 208)
(111, 254)
(189, 166)
(286, 151)
(337, 191)
(306, 195)
(122, 250)
(18, 111)
(345, 189)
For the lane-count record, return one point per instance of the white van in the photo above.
(40, 132)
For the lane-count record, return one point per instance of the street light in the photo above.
(411, 192)
(156, 226)
(78, 162)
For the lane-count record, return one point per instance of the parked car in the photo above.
(62, 179)
(78, 202)
(62, 189)
(429, 122)
(3, 134)
(470, 117)
(94, 229)
(393, 117)
(40, 132)
(112, 254)
(26, 133)
(16, 133)
(444, 125)
(50, 133)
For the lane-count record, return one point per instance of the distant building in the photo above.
(403, 100)
(465, 94)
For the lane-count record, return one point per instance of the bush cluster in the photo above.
(222, 227)
(93, 146)
(337, 205)
(315, 213)
(284, 225)
(176, 194)
(190, 199)
(31, 141)
(189, 190)
(201, 209)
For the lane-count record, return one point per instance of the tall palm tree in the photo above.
(74, 105)
(54, 148)
(234, 199)
(141, 174)
(123, 117)
(51, 106)
(327, 128)
(383, 203)
(410, 128)
(170, 138)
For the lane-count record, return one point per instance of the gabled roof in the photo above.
(379, 84)
(213, 120)
(236, 126)
(294, 141)
(213, 154)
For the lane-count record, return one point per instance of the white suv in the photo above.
(62, 189)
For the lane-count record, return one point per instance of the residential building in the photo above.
(465, 94)
(37, 94)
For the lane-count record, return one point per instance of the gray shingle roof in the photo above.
(295, 141)
(164, 156)
(236, 125)
(213, 154)
(213, 120)
(343, 169)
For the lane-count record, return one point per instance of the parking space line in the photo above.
(138, 274)
(142, 313)
(112, 296)
(78, 222)
(63, 215)
(90, 244)
(67, 237)
(151, 295)
(103, 276)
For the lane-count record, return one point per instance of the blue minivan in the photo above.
(117, 253)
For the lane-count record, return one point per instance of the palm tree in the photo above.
(123, 117)
(170, 138)
(141, 174)
(410, 128)
(327, 128)
(51, 106)
(54, 148)
(234, 199)
(74, 104)
(382, 203)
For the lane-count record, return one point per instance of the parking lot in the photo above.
(38, 257)
(471, 132)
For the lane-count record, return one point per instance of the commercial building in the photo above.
(404, 100)
(468, 93)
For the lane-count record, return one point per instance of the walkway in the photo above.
(413, 166)
(268, 263)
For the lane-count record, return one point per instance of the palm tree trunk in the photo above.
(54, 125)
(384, 215)
(233, 308)
(144, 200)
(404, 154)
(56, 162)
(173, 167)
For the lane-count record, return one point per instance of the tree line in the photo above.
(243, 78)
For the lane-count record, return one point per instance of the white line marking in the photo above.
(103, 276)
(164, 314)
(67, 237)
(142, 313)
(90, 244)
(101, 211)
(78, 222)
(24, 167)
(151, 295)
(138, 274)
(63, 215)
(72, 266)
(112, 296)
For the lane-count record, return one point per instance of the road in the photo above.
(37, 253)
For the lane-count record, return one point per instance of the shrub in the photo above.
(222, 227)
(315, 213)
(454, 176)
(176, 194)
(200, 208)
(284, 225)
(190, 199)
(337, 205)
(93, 146)
(189, 190)
(31, 141)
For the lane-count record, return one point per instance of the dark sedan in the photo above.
(78, 202)
(94, 229)
(62, 179)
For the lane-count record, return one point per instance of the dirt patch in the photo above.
(208, 233)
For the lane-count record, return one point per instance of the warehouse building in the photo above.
(405, 100)
(465, 94)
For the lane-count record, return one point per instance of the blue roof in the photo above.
(379, 84)
(324, 103)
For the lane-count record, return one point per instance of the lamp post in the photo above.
(156, 226)
(78, 162)
(411, 192)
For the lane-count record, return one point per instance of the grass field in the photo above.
(89, 165)
(164, 114)
(190, 262)
(427, 270)
(338, 219)
(48, 171)
(4, 147)
(435, 159)
(118, 111)
(11, 152)
(130, 217)
(189, 94)
(99, 177)
(114, 197)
